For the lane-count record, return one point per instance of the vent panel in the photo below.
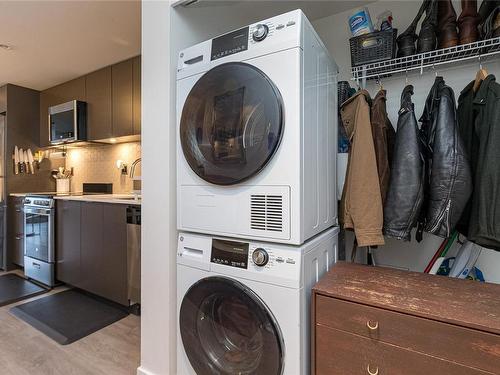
(266, 212)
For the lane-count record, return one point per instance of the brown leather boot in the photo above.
(468, 22)
(447, 24)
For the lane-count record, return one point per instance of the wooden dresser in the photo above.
(381, 321)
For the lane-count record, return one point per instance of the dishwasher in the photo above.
(134, 257)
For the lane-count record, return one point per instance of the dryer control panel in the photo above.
(264, 37)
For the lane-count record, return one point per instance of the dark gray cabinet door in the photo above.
(122, 87)
(104, 250)
(114, 254)
(99, 104)
(71, 90)
(136, 79)
(68, 264)
(15, 230)
(91, 247)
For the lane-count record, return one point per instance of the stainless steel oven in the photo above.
(39, 253)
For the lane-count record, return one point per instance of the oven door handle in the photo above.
(38, 211)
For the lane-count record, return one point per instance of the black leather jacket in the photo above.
(405, 194)
(447, 181)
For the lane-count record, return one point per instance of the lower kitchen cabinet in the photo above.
(68, 242)
(102, 251)
(15, 231)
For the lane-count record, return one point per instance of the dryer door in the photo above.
(231, 124)
(227, 329)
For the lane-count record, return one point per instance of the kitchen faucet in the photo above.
(132, 167)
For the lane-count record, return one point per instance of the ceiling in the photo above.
(55, 41)
(312, 8)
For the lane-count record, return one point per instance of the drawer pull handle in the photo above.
(372, 372)
(372, 327)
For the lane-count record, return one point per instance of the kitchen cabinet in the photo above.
(113, 96)
(92, 248)
(71, 90)
(137, 93)
(15, 230)
(68, 238)
(114, 253)
(122, 86)
(99, 104)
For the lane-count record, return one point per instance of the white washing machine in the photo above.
(244, 307)
(257, 133)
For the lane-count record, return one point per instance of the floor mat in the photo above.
(14, 288)
(69, 316)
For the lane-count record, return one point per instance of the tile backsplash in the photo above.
(97, 163)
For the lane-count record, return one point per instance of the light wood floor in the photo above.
(114, 350)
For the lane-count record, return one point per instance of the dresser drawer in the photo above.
(342, 353)
(462, 345)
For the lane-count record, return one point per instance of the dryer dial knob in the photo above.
(260, 32)
(260, 257)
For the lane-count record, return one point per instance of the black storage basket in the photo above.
(373, 47)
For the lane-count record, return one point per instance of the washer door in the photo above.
(227, 329)
(231, 123)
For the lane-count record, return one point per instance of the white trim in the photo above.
(143, 371)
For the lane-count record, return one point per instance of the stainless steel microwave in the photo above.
(68, 122)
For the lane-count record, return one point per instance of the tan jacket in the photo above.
(361, 205)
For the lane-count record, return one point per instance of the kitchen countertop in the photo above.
(102, 198)
(31, 193)
(79, 196)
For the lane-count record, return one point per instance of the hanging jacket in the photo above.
(447, 180)
(405, 194)
(383, 140)
(361, 204)
(466, 119)
(479, 124)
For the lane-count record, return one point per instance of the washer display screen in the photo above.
(230, 253)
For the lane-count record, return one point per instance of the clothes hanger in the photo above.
(480, 76)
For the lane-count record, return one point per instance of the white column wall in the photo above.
(159, 235)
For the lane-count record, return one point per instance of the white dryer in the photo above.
(257, 130)
(244, 307)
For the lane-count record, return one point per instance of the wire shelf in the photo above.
(421, 61)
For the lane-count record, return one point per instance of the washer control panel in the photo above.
(264, 257)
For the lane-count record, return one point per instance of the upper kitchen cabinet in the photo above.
(72, 90)
(122, 88)
(113, 96)
(136, 82)
(99, 104)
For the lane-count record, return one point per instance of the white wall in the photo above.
(335, 32)
(158, 208)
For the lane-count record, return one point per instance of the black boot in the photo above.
(427, 37)
(406, 40)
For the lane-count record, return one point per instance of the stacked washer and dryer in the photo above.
(256, 192)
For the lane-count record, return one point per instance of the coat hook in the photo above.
(406, 76)
(480, 64)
